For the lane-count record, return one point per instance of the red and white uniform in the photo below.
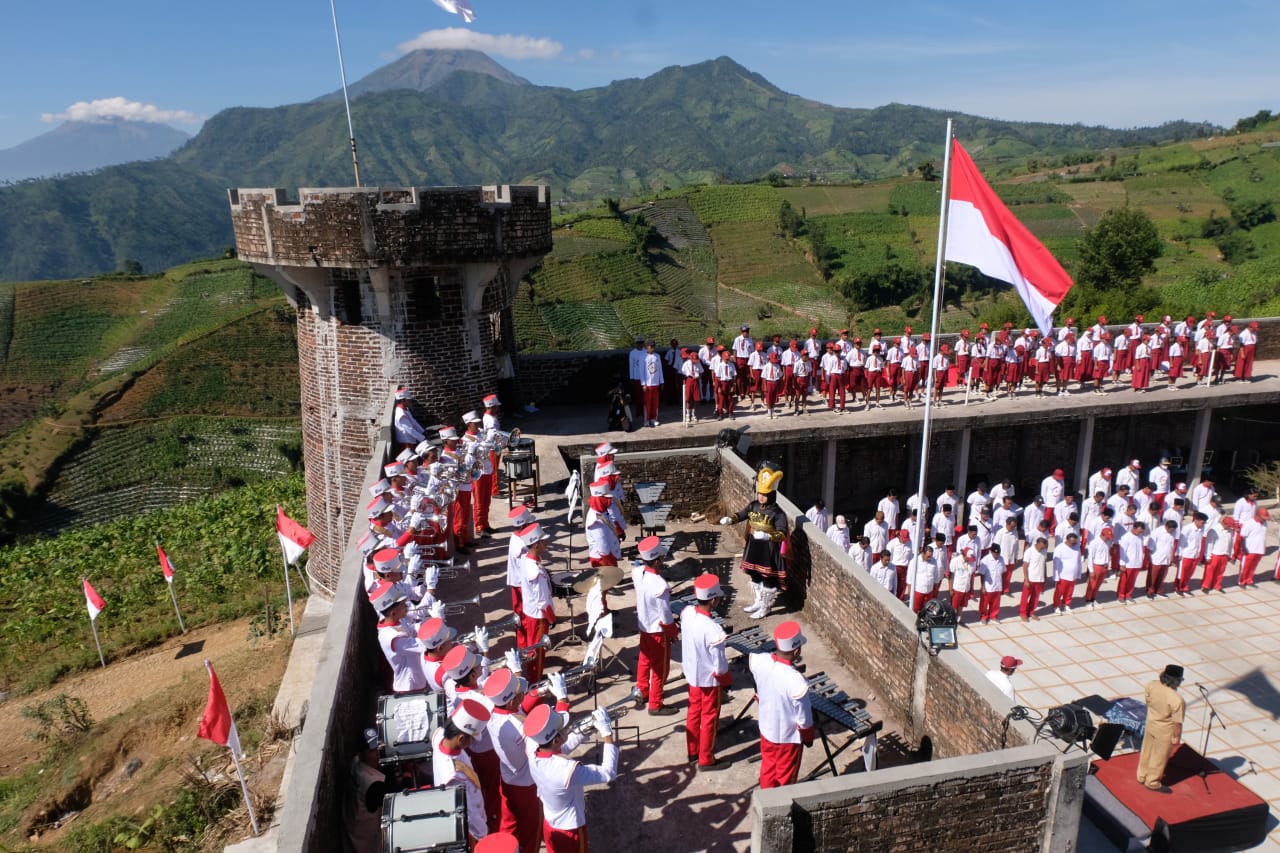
(991, 570)
(1133, 557)
(657, 630)
(537, 612)
(1217, 551)
(1067, 568)
(455, 769)
(786, 720)
(706, 669)
(603, 547)
(651, 385)
(560, 781)
(399, 644)
(1163, 546)
(1036, 567)
(1253, 533)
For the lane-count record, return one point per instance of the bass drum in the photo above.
(405, 723)
(428, 821)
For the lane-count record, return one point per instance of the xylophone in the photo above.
(831, 704)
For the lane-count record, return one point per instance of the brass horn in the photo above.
(616, 711)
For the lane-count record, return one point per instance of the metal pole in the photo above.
(93, 623)
(244, 789)
(173, 597)
(938, 272)
(342, 71)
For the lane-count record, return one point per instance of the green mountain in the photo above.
(420, 70)
(712, 122)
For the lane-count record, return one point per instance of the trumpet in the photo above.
(572, 678)
(526, 654)
(501, 625)
(616, 711)
(502, 440)
(453, 608)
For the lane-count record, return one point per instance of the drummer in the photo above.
(538, 614)
(657, 626)
(452, 765)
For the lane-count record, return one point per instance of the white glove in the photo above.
(437, 609)
(482, 639)
(513, 661)
(560, 690)
(726, 519)
(760, 534)
(603, 724)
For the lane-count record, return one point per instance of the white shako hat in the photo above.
(605, 449)
(386, 595)
(503, 685)
(788, 637)
(533, 533)
(402, 393)
(459, 662)
(448, 434)
(378, 506)
(491, 401)
(606, 469)
(387, 560)
(433, 633)
(650, 548)
(707, 587)
(383, 485)
(542, 725)
(471, 417)
(600, 488)
(393, 469)
(520, 516)
(470, 716)
(407, 454)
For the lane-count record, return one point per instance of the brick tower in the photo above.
(393, 285)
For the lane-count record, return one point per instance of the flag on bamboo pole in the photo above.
(216, 725)
(983, 233)
(93, 601)
(294, 538)
(166, 565)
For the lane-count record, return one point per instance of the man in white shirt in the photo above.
(1101, 482)
(1066, 572)
(883, 573)
(1159, 478)
(657, 626)
(1035, 566)
(861, 553)
(900, 549)
(635, 366)
(925, 577)
(889, 506)
(1003, 677)
(651, 383)
(1098, 559)
(960, 573)
(786, 719)
(1133, 558)
(743, 346)
(991, 570)
(1008, 540)
(1052, 490)
(818, 515)
(877, 534)
(839, 533)
(1191, 548)
(1253, 535)
(1130, 476)
(561, 781)
(1202, 496)
(1164, 542)
(706, 671)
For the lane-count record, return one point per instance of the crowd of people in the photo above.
(506, 736)
(1137, 526)
(785, 375)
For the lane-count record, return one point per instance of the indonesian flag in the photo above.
(983, 233)
(92, 600)
(294, 538)
(165, 565)
(457, 7)
(216, 725)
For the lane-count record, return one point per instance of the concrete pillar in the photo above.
(962, 473)
(1084, 454)
(829, 475)
(1199, 442)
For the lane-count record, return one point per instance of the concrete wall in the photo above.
(691, 475)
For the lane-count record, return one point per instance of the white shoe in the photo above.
(767, 597)
(1058, 611)
(1066, 608)
(655, 423)
(757, 588)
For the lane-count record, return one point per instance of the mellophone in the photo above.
(616, 711)
(432, 820)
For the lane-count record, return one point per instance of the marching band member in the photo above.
(657, 626)
(520, 518)
(397, 638)
(436, 640)
(706, 669)
(786, 720)
(452, 767)
(561, 780)
(482, 493)
(604, 547)
(460, 511)
(537, 609)
(464, 671)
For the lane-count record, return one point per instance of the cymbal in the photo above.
(610, 576)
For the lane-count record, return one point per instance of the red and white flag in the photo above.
(166, 565)
(457, 7)
(294, 538)
(983, 233)
(93, 600)
(216, 725)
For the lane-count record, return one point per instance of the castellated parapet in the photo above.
(393, 285)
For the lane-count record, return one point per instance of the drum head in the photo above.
(430, 821)
(405, 724)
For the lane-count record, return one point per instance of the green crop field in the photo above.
(824, 201)
(6, 320)
(919, 197)
(867, 241)
(744, 203)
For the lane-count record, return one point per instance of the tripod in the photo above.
(1211, 714)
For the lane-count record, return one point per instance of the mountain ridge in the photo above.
(82, 146)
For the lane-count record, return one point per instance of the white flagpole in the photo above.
(172, 595)
(244, 789)
(342, 71)
(938, 271)
(93, 623)
(288, 589)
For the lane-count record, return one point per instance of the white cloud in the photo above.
(586, 53)
(508, 46)
(104, 109)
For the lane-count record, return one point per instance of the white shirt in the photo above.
(878, 534)
(1159, 476)
(515, 550)
(602, 537)
(407, 428)
(535, 588)
(839, 535)
(1099, 483)
(860, 555)
(924, 574)
(1254, 533)
(1004, 684)
(1099, 552)
(561, 781)
(1036, 563)
(1066, 563)
(1051, 490)
(991, 570)
(651, 370)
(448, 772)
(1190, 538)
(885, 575)
(1217, 539)
(783, 694)
(889, 506)
(653, 600)
(1008, 540)
(636, 363)
(1133, 550)
(702, 655)
(400, 647)
(899, 552)
(1128, 476)
(961, 574)
(1202, 497)
(821, 518)
(1162, 545)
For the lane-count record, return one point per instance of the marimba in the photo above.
(831, 704)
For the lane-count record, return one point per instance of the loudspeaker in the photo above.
(1104, 742)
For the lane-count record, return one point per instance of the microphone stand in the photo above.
(1211, 714)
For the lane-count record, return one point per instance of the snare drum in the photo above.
(402, 734)
(430, 821)
(562, 584)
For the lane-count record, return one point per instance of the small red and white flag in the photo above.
(983, 233)
(294, 538)
(457, 7)
(93, 601)
(216, 725)
(166, 565)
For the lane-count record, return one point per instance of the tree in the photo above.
(927, 171)
(1117, 251)
(129, 266)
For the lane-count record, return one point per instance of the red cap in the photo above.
(498, 842)
(813, 331)
(711, 340)
(1058, 474)
(1010, 662)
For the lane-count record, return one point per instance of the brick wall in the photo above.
(569, 377)
(691, 476)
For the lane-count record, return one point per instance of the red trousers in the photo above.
(1248, 566)
(1213, 572)
(1155, 579)
(835, 390)
(744, 376)
(724, 396)
(653, 667)
(989, 605)
(902, 582)
(534, 630)
(481, 495)
(517, 604)
(1244, 364)
(522, 814)
(1128, 580)
(701, 722)
(493, 486)
(1186, 571)
(1063, 591)
(462, 519)
(779, 763)
(1031, 592)
(651, 400)
(918, 600)
(772, 390)
(489, 770)
(960, 600)
(564, 840)
(1096, 577)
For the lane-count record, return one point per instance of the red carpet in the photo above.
(1216, 811)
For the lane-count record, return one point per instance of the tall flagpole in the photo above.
(342, 71)
(233, 744)
(172, 595)
(288, 589)
(93, 624)
(938, 271)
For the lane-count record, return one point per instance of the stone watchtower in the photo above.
(393, 285)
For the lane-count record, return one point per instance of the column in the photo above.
(1084, 456)
(962, 473)
(829, 476)
(1199, 442)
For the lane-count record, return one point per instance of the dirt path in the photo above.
(793, 312)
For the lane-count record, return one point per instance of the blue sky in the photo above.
(1122, 64)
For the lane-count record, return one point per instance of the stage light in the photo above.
(1071, 724)
(936, 623)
